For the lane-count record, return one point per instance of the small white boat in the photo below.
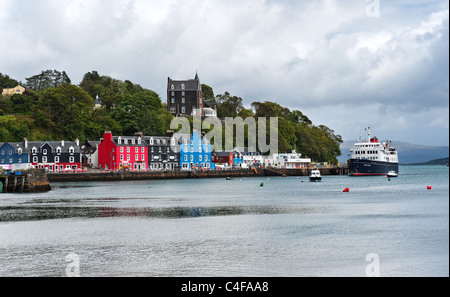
(392, 174)
(315, 175)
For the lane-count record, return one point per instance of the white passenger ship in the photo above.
(372, 157)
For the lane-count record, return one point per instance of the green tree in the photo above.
(140, 111)
(66, 109)
(47, 79)
(228, 106)
(7, 82)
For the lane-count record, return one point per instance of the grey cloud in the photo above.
(307, 55)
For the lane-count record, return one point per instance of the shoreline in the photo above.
(167, 175)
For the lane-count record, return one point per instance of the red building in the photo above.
(123, 152)
(222, 157)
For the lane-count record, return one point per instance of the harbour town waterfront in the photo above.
(218, 227)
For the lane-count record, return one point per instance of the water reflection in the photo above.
(30, 213)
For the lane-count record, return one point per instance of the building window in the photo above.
(56, 159)
(172, 100)
(44, 159)
(151, 141)
(58, 150)
(44, 151)
(142, 150)
(34, 150)
(206, 158)
(71, 159)
(183, 109)
(35, 159)
(121, 149)
(183, 100)
(137, 157)
(19, 160)
(183, 93)
(121, 157)
(133, 141)
(128, 157)
(71, 150)
(185, 158)
(192, 158)
(200, 158)
(128, 149)
(136, 150)
(143, 157)
(183, 86)
(3, 152)
(10, 152)
(172, 87)
(19, 151)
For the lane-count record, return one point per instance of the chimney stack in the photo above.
(107, 135)
(25, 142)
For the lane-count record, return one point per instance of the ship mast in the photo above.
(368, 133)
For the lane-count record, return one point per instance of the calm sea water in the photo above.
(215, 227)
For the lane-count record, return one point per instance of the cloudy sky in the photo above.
(345, 64)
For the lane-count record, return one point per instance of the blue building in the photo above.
(13, 153)
(195, 152)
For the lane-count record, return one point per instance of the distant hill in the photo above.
(407, 153)
(443, 161)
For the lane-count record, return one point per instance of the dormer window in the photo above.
(133, 141)
(44, 151)
(58, 150)
(151, 141)
(34, 150)
(172, 87)
(19, 151)
(71, 150)
(183, 86)
(139, 140)
(119, 140)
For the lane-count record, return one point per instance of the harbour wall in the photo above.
(28, 181)
(149, 175)
(158, 175)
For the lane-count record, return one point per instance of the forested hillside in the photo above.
(53, 108)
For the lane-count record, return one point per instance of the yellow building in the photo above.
(12, 91)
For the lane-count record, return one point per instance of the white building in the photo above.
(249, 156)
(292, 160)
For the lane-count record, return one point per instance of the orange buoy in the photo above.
(346, 190)
(429, 188)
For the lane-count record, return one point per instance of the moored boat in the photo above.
(373, 158)
(392, 174)
(315, 175)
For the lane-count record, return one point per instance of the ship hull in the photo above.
(368, 167)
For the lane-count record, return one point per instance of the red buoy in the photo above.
(429, 188)
(346, 190)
